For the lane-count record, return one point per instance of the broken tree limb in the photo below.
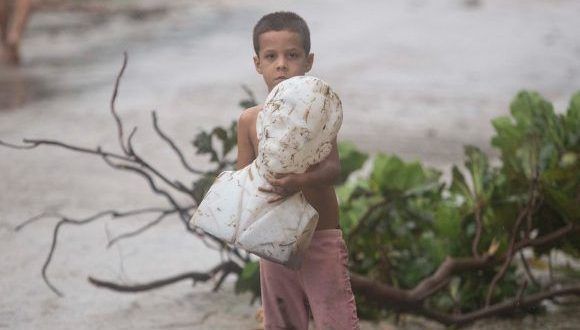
(225, 268)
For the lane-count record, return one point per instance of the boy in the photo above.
(322, 286)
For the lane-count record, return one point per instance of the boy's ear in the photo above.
(257, 64)
(309, 61)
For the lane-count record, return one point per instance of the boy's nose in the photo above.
(281, 64)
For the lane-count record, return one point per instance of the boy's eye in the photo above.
(269, 56)
(292, 55)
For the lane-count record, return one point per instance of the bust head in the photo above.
(296, 127)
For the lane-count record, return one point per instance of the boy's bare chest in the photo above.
(254, 133)
(254, 139)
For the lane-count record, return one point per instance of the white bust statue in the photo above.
(296, 127)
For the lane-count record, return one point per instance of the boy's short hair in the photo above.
(280, 21)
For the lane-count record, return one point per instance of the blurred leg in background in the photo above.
(13, 17)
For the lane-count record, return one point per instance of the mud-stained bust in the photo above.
(296, 127)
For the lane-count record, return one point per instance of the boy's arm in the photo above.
(245, 149)
(324, 173)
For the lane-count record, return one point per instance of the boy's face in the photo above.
(281, 56)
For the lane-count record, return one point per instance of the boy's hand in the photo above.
(282, 186)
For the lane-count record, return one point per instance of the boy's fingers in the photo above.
(274, 182)
(264, 189)
(276, 199)
(280, 175)
(272, 190)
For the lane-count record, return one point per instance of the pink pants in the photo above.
(321, 286)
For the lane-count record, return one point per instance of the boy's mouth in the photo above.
(280, 78)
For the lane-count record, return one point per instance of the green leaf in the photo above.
(351, 159)
(204, 145)
(448, 221)
(221, 133)
(202, 185)
(249, 279)
(478, 167)
(391, 175)
(572, 121)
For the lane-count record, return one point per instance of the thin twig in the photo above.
(148, 178)
(527, 269)
(173, 145)
(139, 160)
(112, 105)
(513, 237)
(14, 146)
(113, 213)
(550, 269)
(37, 142)
(363, 219)
(518, 300)
(54, 242)
(141, 229)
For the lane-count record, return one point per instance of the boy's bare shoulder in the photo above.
(248, 116)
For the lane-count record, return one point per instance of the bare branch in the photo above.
(142, 229)
(400, 300)
(518, 300)
(35, 218)
(56, 229)
(65, 220)
(14, 146)
(450, 266)
(137, 159)
(548, 238)
(112, 213)
(550, 268)
(148, 178)
(173, 145)
(226, 268)
(527, 269)
(499, 308)
(37, 142)
(112, 105)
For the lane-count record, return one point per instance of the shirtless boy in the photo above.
(322, 286)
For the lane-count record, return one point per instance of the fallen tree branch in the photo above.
(412, 300)
(499, 308)
(403, 301)
(225, 268)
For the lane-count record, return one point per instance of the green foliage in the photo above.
(250, 100)
(218, 144)
(351, 159)
(249, 279)
(402, 221)
(204, 142)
